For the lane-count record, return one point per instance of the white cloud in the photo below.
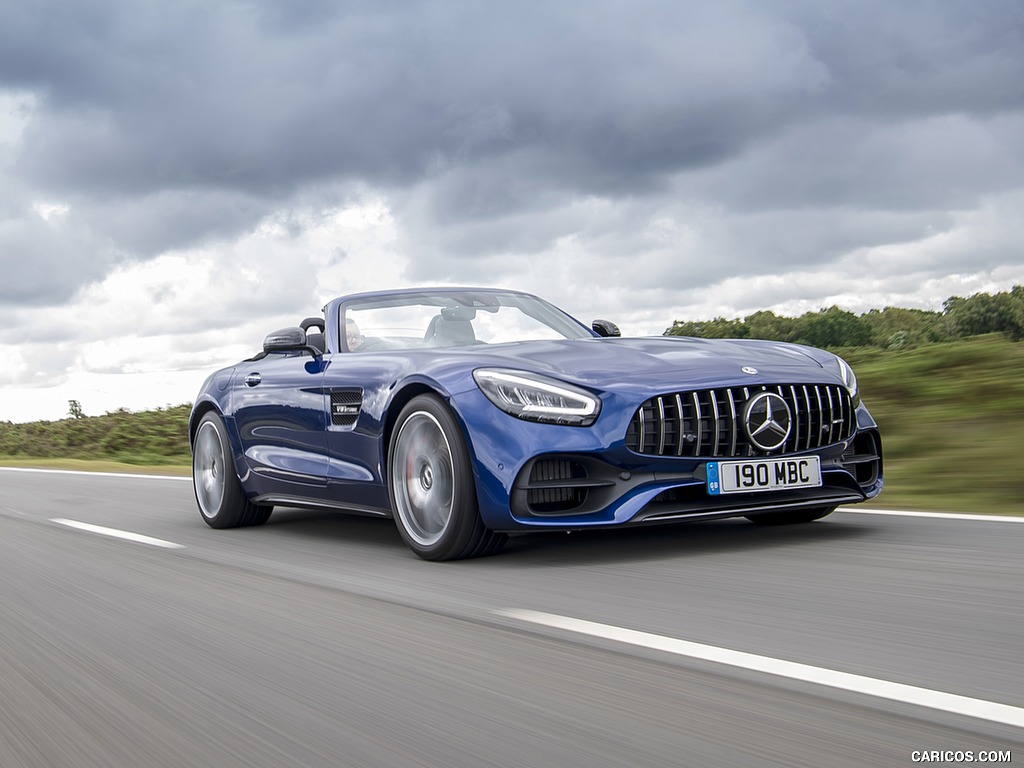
(148, 333)
(51, 213)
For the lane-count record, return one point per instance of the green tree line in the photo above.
(889, 328)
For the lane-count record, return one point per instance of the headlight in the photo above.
(538, 398)
(849, 378)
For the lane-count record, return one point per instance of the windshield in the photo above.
(456, 319)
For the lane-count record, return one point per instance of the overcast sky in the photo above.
(178, 179)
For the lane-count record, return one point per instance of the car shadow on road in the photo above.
(558, 549)
(686, 540)
(363, 529)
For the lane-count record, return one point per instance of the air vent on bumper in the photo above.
(562, 485)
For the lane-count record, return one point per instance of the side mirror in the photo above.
(606, 328)
(288, 340)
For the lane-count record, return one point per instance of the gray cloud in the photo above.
(40, 262)
(767, 136)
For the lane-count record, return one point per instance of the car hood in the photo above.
(661, 361)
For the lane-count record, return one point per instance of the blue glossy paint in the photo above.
(277, 411)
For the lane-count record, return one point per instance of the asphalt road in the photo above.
(320, 640)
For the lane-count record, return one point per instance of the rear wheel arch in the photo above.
(235, 444)
(219, 494)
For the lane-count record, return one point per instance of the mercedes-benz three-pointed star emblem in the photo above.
(767, 420)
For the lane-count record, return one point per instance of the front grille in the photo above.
(708, 423)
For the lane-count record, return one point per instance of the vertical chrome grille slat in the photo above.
(852, 418)
(831, 413)
(843, 412)
(697, 420)
(840, 413)
(732, 423)
(810, 418)
(681, 436)
(661, 426)
(794, 403)
(640, 439)
(821, 417)
(715, 422)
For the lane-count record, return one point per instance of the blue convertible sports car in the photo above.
(467, 414)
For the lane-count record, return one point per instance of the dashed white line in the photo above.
(117, 534)
(908, 694)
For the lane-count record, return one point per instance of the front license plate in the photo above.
(763, 475)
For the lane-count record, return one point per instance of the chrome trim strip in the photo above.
(732, 427)
(796, 418)
(715, 419)
(697, 420)
(641, 436)
(810, 417)
(827, 501)
(821, 416)
(661, 426)
(831, 415)
(682, 424)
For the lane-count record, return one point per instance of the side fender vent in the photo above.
(345, 405)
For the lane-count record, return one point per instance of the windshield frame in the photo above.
(456, 302)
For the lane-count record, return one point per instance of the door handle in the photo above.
(253, 379)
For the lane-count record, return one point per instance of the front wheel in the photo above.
(430, 481)
(221, 500)
(792, 517)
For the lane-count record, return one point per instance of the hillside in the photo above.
(952, 419)
(157, 437)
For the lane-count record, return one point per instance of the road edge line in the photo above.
(981, 709)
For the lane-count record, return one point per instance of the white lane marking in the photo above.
(908, 694)
(94, 474)
(117, 534)
(939, 515)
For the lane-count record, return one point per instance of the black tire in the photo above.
(431, 485)
(791, 517)
(222, 503)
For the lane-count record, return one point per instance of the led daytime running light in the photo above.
(537, 398)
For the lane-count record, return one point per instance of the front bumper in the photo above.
(584, 485)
